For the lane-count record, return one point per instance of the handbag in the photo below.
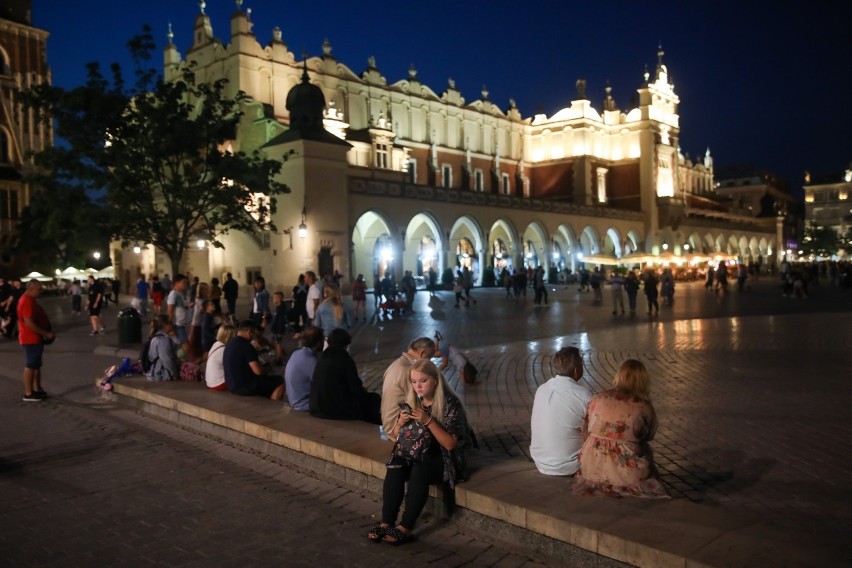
(413, 441)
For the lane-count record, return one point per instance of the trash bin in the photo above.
(129, 326)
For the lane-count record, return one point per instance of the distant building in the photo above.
(828, 201)
(23, 64)
(390, 176)
(753, 191)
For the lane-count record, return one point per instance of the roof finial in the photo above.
(305, 78)
(201, 6)
(646, 74)
(412, 72)
(326, 47)
(239, 4)
(170, 34)
(660, 53)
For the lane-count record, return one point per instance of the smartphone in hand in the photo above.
(405, 406)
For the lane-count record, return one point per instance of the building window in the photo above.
(478, 181)
(382, 156)
(8, 204)
(602, 184)
(411, 172)
(4, 146)
(446, 176)
(507, 185)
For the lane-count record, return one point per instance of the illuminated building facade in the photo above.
(417, 178)
(828, 202)
(23, 64)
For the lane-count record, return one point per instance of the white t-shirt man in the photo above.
(557, 416)
(176, 298)
(314, 293)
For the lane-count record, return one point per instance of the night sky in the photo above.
(757, 84)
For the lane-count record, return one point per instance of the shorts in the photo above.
(264, 386)
(180, 335)
(94, 311)
(33, 353)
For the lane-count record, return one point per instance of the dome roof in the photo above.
(306, 104)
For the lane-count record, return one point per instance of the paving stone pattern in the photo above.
(750, 389)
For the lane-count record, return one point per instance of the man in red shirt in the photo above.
(33, 332)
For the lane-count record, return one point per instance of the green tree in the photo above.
(820, 241)
(61, 227)
(157, 156)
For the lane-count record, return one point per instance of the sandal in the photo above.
(398, 536)
(378, 532)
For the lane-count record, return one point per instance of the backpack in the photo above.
(144, 357)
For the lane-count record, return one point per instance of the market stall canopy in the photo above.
(637, 258)
(72, 273)
(108, 272)
(38, 276)
(600, 259)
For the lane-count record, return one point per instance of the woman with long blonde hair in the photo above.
(330, 313)
(616, 457)
(431, 433)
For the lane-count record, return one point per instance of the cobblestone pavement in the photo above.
(86, 483)
(750, 389)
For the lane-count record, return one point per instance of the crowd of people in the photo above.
(600, 440)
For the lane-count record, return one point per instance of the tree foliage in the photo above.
(156, 155)
(820, 241)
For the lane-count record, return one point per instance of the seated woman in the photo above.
(616, 458)
(337, 392)
(162, 351)
(330, 313)
(214, 374)
(431, 433)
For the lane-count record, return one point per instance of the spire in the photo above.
(609, 102)
(170, 35)
(201, 6)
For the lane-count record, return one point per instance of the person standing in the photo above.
(260, 310)
(34, 332)
(142, 295)
(651, 292)
(157, 294)
(433, 281)
(617, 282)
(230, 289)
(96, 302)
(76, 292)
(177, 311)
(216, 295)
(467, 284)
(299, 315)
(631, 286)
(539, 288)
(559, 409)
(314, 297)
(359, 298)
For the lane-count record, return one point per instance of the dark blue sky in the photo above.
(757, 84)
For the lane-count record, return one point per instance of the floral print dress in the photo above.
(615, 458)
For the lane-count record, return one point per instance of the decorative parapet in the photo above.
(385, 188)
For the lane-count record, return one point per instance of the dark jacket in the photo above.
(336, 388)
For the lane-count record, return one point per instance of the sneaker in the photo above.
(102, 330)
(41, 394)
(34, 397)
(91, 333)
